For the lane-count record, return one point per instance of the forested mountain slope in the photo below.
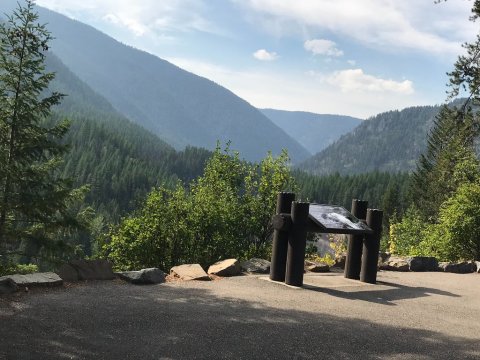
(180, 107)
(313, 131)
(391, 141)
(119, 159)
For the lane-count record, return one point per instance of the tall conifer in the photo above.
(32, 195)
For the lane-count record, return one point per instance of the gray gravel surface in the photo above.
(404, 316)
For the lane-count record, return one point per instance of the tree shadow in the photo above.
(384, 296)
(112, 321)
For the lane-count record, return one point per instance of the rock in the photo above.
(478, 266)
(458, 268)
(316, 267)
(383, 257)
(340, 261)
(395, 263)
(68, 273)
(143, 276)
(189, 272)
(7, 285)
(256, 266)
(35, 279)
(422, 263)
(229, 267)
(98, 269)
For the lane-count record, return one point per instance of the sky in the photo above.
(348, 57)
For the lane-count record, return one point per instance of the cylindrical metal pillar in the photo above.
(371, 246)
(297, 242)
(280, 239)
(353, 262)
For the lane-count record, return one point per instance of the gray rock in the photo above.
(228, 267)
(340, 261)
(35, 279)
(478, 266)
(256, 266)
(98, 269)
(422, 263)
(189, 272)
(395, 263)
(7, 285)
(143, 276)
(459, 268)
(316, 267)
(68, 273)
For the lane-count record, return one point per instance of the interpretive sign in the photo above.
(336, 219)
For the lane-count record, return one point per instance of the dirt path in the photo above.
(405, 316)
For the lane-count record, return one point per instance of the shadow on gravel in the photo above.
(382, 296)
(112, 321)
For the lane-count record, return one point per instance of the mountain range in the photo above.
(313, 131)
(390, 141)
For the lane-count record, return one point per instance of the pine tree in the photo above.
(33, 198)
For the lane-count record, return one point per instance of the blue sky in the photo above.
(348, 57)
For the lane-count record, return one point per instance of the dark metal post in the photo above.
(355, 243)
(280, 239)
(297, 242)
(371, 246)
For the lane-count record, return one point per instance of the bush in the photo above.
(406, 235)
(457, 234)
(225, 213)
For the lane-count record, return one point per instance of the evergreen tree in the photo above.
(33, 198)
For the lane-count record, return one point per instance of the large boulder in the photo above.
(143, 276)
(256, 266)
(340, 260)
(458, 268)
(422, 263)
(7, 285)
(98, 269)
(395, 263)
(189, 272)
(35, 279)
(316, 267)
(68, 273)
(229, 267)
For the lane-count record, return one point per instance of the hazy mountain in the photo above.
(180, 107)
(313, 131)
(119, 159)
(391, 141)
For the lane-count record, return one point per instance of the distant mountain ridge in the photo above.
(390, 141)
(178, 106)
(313, 131)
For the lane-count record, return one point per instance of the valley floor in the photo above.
(404, 316)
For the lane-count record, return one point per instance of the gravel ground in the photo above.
(404, 316)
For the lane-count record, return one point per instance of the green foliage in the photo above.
(23, 269)
(224, 213)
(34, 198)
(407, 234)
(457, 234)
(449, 143)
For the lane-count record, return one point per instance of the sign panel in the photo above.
(336, 219)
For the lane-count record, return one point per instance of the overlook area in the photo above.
(404, 316)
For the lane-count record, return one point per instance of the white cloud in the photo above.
(265, 55)
(322, 47)
(355, 80)
(385, 24)
(140, 17)
(302, 90)
(351, 62)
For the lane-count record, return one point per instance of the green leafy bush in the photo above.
(224, 213)
(457, 234)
